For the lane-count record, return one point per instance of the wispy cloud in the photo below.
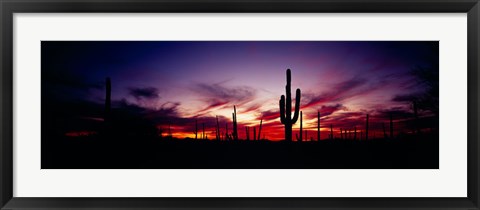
(144, 93)
(219, 95)
(338, 92)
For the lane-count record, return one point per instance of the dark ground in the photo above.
(94, 152)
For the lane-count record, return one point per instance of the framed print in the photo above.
(239, 105)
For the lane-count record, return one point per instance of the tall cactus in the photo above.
(260, 129)
(234, 116)
(318, 126)
(217, 130)
(226, 132)
(331, 132)
(169, 132)
(196, 129)
(285, 104)
(301, 126)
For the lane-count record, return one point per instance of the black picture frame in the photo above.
(9, 7)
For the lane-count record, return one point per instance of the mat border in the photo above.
(9, 7)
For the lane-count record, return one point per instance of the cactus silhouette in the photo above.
(366, 129)
(260, 129)
(254, 133)
(331, 131)
(227, 137)
(285, 104)
(247, 133)
(300, 138)
(169, 132)
(217, 131)
(318, 126)
(203, 131)
(234, 116)
(196, 129)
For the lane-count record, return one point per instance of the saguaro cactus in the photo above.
(217, 130)
(331, 131)
(301, 126)
(227, 137)
(169, 132)
(318, 126)
(234, 115)
(260, 129)
(285, 104)
(196, 129)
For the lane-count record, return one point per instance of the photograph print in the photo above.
(239, 104)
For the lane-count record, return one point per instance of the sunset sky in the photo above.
(175, 82)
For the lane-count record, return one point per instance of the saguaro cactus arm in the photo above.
(297, 106)
(282, 109)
